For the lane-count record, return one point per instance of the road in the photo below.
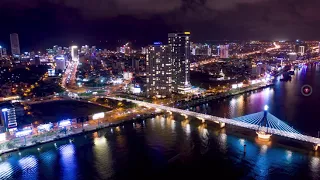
(276, 46)
(69, 77)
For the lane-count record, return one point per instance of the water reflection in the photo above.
(5, 170)
(102, 156)
(264, 149)
(315, 167)
(173, 125)
(68, 162)
(48, 160)
(222, 137)
(107, 155)
(204, 137)
(289, 155)
(29, 166)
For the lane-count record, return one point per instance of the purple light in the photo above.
(64, 123)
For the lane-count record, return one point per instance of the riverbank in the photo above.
(205, 99)
(21, 143)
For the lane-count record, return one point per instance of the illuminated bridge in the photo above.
(271, 124)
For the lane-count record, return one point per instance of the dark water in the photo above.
(159, 148)
(174, 148)
(285, 101)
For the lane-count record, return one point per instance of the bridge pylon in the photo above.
(262, 131)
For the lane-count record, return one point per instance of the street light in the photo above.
(266, 107)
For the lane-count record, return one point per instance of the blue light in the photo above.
(273, 122)
(64, 123)
(266, 107)
(157, 43)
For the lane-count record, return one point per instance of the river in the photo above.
(172, 147)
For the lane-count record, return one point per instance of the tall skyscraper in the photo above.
(15, 45)
(74, 53)
(179, 45)
(159, 70)
(301, 50)
(224, 51)
(4, 52)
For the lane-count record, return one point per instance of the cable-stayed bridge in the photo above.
(261, 122)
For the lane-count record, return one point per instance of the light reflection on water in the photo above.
(68, 162)
(6, 170)
(157, 141)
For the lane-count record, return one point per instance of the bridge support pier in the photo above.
(263, 135)
(315, 147)
(202, 120)
(186, 116)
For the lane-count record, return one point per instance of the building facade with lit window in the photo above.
(301, 50)
(159, 71)
(224, 51)
(8, 117)
(15, 45)
(179, 45)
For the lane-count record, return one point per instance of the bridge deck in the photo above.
(281, 132)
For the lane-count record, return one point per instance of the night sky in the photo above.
(44, 23)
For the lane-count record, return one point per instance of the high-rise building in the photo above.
(136, 64)
(74, 53)
(1, 54)
(37, 60)
(179, 45)
(224, 51)
(8, 116)
(4, 52)
(159, 70)
(144, 50)
(15, 45)
(55, 49)
(255, 70)
(93, 49)
(292, 56)
(301, 50)
(59, 51)
(60, 63)
(200, 50)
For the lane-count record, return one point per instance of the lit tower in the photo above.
(159, 70)
(263, 125)
(179, 46)
(74, 53)
(15, 45)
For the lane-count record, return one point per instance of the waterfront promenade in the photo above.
(111, 118)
